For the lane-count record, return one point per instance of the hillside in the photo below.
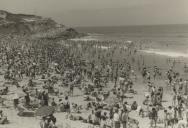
(36, 26)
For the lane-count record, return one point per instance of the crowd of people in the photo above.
(48, 73)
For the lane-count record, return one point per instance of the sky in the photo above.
(103, 12)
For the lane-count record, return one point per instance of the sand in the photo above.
(33, 122)
(149, 60)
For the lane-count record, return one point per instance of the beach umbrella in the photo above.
(15, 96)
(20, 93)
(45, 111)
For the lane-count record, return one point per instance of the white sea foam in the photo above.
(104, 47)
(84, 39)
(166, 53)
(95, 34)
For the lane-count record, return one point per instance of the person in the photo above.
(174, 98)
(170, 115)
(54, 104)
(5, 91)
(97, 116)
(61, 106)
(127, 106)
(124, 118)
(153, 117)
(149, 85)
(103, 120)
(36, 93)
(71, 90)
(147, 100)
(91, 117)
(67, 106)
(179, 98)
(16, 101)
(161, 93)
(169, 77)
(180, 111)
(134, 105)
(116, 119)
(30, 83)
(181, 84)
(111, 113)
(44, 123)
(153, 95)
(27, 99)
(3, 118)
(121, 96)
(45, 98)
(52, 121)
(165, 119)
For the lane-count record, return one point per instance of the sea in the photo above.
(167, 40)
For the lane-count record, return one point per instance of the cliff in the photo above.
(36, 26)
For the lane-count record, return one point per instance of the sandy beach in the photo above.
(141, 88)
(113, 64)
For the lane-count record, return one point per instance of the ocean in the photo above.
(157, 38)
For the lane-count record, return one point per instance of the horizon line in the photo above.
(129, 25)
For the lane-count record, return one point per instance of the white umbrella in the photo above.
(15, 96)
(18, 94)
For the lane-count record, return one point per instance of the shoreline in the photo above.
(171, 54)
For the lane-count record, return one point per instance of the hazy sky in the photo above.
(104, 12)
